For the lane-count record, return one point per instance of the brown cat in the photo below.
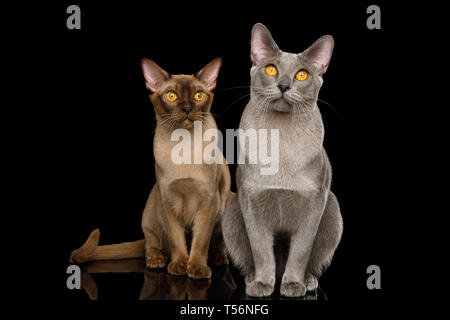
(188, 199)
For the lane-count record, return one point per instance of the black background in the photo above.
(99, 121)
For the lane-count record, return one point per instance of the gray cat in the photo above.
(295, 203)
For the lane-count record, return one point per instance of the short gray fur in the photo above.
(297, 200)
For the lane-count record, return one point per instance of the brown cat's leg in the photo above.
(204, 221)
(154, 238)
(177, 242)
(154, 247)
(217, 255)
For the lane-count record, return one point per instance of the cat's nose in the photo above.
(283, 87)
(187, 109)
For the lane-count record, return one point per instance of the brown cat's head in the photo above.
(179, 100)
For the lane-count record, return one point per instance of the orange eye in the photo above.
(271, 70)
(171, 96)
(198, 96)
(302, 75)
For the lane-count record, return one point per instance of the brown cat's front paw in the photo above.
(156, 260)
(177, 268)
(218, 258)
(198, 271)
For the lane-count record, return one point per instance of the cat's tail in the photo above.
(90, 250)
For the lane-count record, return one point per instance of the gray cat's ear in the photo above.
(208, 75)
(154, 75)
(319, 54)
(262, 44)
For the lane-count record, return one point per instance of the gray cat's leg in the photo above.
(326, 241)
(261, 242)
(293, 283)
(263, 282)
(236, 239)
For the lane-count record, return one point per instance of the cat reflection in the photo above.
(158, 285)
(163, 286)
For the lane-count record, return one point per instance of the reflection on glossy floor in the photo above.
(158, 285)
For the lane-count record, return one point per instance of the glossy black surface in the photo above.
(110, 280)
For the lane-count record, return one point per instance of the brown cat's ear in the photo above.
(208, 75)
(319, 54)
(154, 75)
(262, 44)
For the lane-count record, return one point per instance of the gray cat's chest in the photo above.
(306, 180)
(300, 158)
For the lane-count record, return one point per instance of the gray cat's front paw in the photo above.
(259, 289)
(311, 282)
(293, 289)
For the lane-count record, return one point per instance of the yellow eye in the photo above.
(198, 96)
(171, 96)
(271, 70)
(302, 75)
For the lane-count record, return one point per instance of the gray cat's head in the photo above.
(285, 81)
